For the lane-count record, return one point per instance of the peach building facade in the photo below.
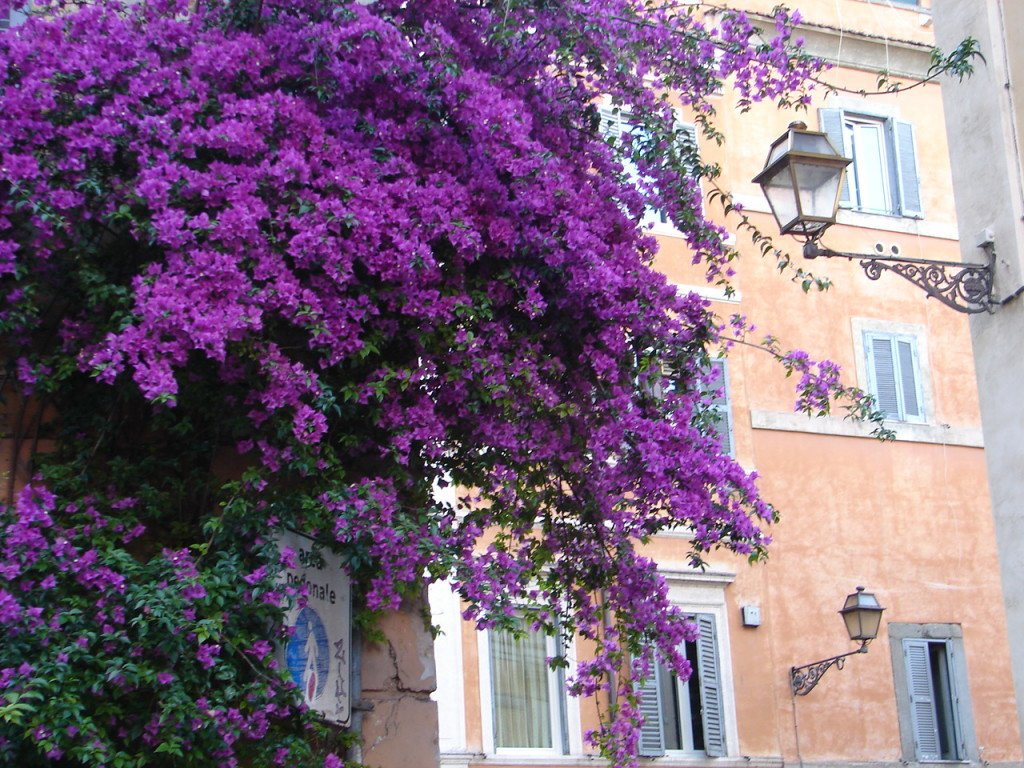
(910, 519)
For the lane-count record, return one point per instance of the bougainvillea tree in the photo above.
(295, 264)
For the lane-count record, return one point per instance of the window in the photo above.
(686, 716)
(894, 375)
(527, 704)
(719, 413)
(883, 176)
(716, 417)
(931, 692)
(932, 699)
(615, 124)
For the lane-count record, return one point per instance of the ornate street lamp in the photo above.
(801, 180)
(862, 615)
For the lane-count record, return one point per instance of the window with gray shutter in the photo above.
(686, 715)
(883, 177)
(934, 704)
(615, 123)
(720, 406)
(936, 722)
(894, 376)
(922, 699)
(652, 733)
(710, 674)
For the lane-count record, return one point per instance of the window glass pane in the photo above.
(680, 706)
(939, 667)
(520, 690)
(870, 167)
(696, 724)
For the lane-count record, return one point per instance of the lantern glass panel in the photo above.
(853, 624)
(780, 147)
(818, 186)
(816, 143)
(782, 196)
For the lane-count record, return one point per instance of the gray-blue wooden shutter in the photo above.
(709, 670)
(831, 121)
(690, 148)
(652, 732)
(18, 16)
(722, 406)
(906, 168)
(924, 721)
(953, 664)
(908, 378)
(882, 374)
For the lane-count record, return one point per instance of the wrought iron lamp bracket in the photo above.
(964, 287)
(803, 679)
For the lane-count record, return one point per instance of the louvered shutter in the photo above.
(611, 122)
(15, 18)
(652, 732)
(908, 378)
(922, 700)
(709, 671)
(721, 406)
(831, 121)
(953, 663)
(906, 168)
(690, 150)
(882, 374)
(614, 125)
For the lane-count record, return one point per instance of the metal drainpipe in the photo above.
(359, 705)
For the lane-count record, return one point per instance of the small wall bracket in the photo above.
(803, 679)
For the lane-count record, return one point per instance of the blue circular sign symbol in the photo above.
(308, 654)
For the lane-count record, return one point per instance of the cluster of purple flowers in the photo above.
(381, 248)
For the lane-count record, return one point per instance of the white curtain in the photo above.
(520, 690)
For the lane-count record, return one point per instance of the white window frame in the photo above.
(566, 728)
(704, 593)
(896, 159)
(615, 120)
(911, 707)
(449, 692)
(865, 329)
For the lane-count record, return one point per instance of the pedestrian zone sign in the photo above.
(317, 652)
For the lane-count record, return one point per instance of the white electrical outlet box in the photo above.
(751, 615)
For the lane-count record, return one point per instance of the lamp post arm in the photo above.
(964, 287)
(803, 679)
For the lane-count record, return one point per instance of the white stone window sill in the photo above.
(938, 434)
(668, 761)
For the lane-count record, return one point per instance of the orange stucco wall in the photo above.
(910, 519)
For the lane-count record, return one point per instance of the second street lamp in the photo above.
(862, 615)
(801, 180)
